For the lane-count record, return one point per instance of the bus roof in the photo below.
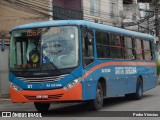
(88, 24)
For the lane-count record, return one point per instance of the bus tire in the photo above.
(41, 107)
(97, 103)
(139, 89)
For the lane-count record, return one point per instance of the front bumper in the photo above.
(56, 95)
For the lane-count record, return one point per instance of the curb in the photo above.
(5, 100)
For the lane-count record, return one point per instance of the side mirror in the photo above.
(84, 30)
(3, 44)
(89, 38)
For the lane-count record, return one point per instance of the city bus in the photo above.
(79, 61)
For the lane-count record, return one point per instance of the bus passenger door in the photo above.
(88, 58)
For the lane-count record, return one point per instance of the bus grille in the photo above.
(50, 97)
(42, 79)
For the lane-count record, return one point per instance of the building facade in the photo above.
(13, 13)
(103, 11)
(140, 15)
(67, 9)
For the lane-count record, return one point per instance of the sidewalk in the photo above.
(5, 97)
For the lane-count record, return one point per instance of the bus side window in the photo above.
(88, 54)
(148, 51)
(129, 48)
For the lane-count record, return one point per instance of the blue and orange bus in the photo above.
(77, 60)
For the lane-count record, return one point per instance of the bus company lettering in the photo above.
(106, 70)
(125, 70)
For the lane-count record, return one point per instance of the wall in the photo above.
(71, 4)
(11, 15)
(67, 9)
(4, 82)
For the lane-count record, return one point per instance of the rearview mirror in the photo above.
(84, 30)
(89, 38)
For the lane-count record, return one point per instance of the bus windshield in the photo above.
(44, 48)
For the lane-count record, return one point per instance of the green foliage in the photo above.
(158, 82)
(158, 67)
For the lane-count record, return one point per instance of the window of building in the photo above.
(103, 49)
(94, 7)
(113, 8)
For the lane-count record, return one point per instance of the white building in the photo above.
(137, 12)
(103, 11)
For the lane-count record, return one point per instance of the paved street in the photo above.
(150, 102)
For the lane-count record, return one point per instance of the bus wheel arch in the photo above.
(139, 90)
(102, 81)
(97, 103)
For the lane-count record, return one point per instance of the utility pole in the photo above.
(156, 20)
(156, 23)
(134, 3)
(51, 10)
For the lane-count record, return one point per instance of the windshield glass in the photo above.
(44, 48)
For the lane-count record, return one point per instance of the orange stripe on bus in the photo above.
(119, 64)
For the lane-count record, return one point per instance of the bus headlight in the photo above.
(15, 87)
(72, 83)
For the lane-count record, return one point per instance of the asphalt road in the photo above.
(71, 111)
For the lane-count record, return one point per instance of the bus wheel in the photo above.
(139, 89)
(42, 107)
(97, 103)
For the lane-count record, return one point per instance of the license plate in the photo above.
(42, 96)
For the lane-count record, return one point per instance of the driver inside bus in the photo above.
(32, 51)
(30, 47)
